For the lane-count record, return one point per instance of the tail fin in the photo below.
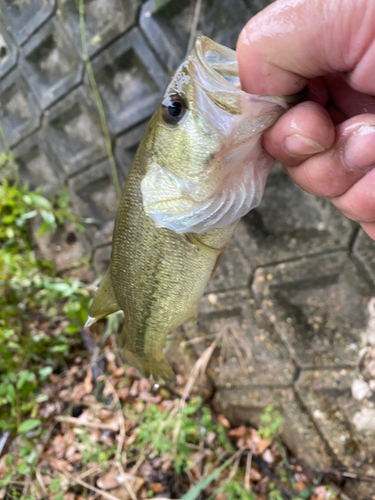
(105, 301)
(159, 369)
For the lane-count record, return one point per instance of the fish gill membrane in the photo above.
(199, 168)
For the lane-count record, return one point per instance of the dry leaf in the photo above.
(262, 445)
(144, 385)
(69, 496)
(134, 389)
(156, 487)
(77, 393)
(87, 383)
(238, 432)
(135, 484)
(123, 394)
(108, 481)
(255, 475)
(105, 414)
(61, 465)
(3, 468)
(59, 446)
(301, 485)
(119, 372)
(268, 456)
(223, 421)
(48, 410)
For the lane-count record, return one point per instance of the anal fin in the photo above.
(105, 301)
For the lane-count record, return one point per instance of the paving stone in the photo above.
(37, 165)
(246, 404)
(24, 17)
(127, 145)
(233, 271)
(93, 195)
(327, 395)
(19, 111)
(250, 352)
(104, 21)
(364, 251)
(318, 307)
(8, 50)
(130, 80)
(51, 64)
(167, 25)
(291, 223)
(72, 128)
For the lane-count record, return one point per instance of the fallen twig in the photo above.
(248, 470)
(96, 425)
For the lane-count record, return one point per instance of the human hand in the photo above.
(326, 144)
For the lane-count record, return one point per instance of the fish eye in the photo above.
(173, 109)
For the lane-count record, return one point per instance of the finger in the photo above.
(290, 42)
(303, 131)
(358, 203)
(334, 171)
(349, 101)
(369, 228)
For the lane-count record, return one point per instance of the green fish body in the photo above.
(198, 169)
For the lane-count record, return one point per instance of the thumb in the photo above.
(292, 41)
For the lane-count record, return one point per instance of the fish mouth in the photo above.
(220, 64)
(218, 61)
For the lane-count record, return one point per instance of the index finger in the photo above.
(292, 41)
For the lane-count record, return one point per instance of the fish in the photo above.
(199, 168)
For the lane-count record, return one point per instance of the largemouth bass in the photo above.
(199, 168)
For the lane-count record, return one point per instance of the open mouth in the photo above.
(219, 61)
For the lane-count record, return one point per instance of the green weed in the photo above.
(40, 313)
(155, 432)
(272, 421)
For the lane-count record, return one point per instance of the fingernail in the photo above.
(297, 145)
(360, 148)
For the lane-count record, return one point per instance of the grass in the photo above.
(35, 304)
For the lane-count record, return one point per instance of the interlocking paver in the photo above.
(130, 79)
(104, 21)
(327, 396)
(246, 404)
(19, 111)
(25, 17)
(72, 128)
(51, 64)
(318, 307)
(291, 223)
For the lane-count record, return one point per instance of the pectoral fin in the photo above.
(105, 301)
(194, 239)
(216, 264)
